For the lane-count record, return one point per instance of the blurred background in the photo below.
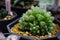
(21, 6)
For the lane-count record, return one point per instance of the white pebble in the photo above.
(13, 37)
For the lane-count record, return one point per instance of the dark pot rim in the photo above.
(14, 15)
(28, 37)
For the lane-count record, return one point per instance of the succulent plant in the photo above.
(3, 13)
(37, 21)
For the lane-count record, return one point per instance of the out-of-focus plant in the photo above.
(3, 13)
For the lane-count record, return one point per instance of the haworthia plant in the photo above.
(37, 21)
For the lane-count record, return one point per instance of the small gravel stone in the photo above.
(10, 37)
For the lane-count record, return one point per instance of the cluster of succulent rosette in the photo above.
(37, 21)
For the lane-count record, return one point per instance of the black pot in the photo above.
(3, 23)
(28, 37)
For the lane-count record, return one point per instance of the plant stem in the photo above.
(8, 6)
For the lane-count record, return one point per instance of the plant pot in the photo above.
(28, 37)
(3, 23)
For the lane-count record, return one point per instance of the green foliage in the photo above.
(37, 20)
(3, 13)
